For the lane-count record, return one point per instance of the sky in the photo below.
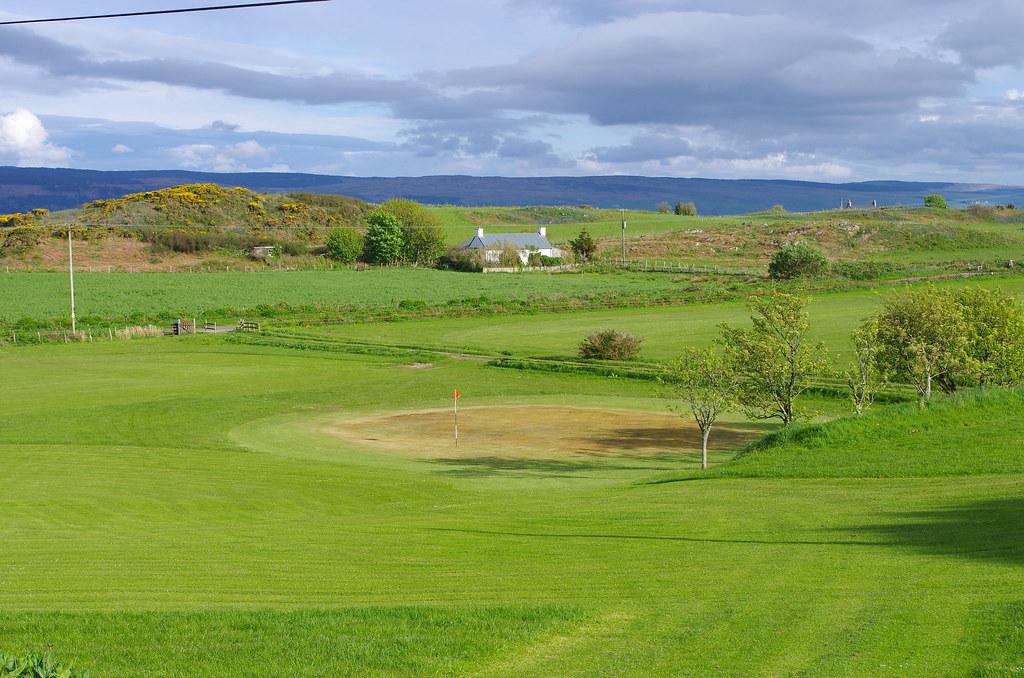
(929, 90)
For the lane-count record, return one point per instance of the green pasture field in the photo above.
(564, 224)
(119, 296)
(178, 508)
(664, 330)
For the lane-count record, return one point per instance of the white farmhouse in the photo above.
(527, 243)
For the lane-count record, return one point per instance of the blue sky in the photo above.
(828, 91)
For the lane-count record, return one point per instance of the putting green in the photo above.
(532, 432)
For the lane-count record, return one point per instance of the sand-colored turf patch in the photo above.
(533, 432)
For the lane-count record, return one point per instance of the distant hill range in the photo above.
(23, 189)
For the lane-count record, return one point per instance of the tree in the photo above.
(344, 245)
(423, 246)
(935, 200)
(995, 330)
(865, 377)
(774, 359)
(705, 381)
(384, 243)
(664, 208)
(686, 209)
(923, 337)
(422, 236)
(795, 261)
(583, 246)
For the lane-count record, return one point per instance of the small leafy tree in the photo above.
(664, 208)
(344, 245)
(923, 337)
(686, 209)
(865, 378)
(795, 261)
(422, 237)
(423, 245)
(705, 381)
(384, 243)
(610, 345)
(583, 246)
(936, 200)
(995, 327)
(774, 359)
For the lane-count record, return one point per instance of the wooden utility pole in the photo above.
(71, 277)
(623, 237)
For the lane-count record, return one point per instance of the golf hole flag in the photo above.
(455, 404)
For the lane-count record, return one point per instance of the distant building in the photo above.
(261, 251)
(492, 244)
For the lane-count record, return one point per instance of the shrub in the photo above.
(935, 200)
(610, 345)
(550, 261)
(686, 209)
(777, 209)
(468, 261)
(193, 241)
(509, 256)
(293, 248)
(583, 246)
(34, 665)
(795, 261)
(383, 243)
(423, 245)
(982, 212)
(344, 245)
(20, 238)
(664, 208)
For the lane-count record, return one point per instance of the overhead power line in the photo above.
(154, 12)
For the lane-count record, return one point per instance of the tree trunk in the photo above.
(704, 448)
(928, 386)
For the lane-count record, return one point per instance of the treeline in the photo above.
(929, 338)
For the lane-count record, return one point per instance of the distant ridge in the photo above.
(26, 188)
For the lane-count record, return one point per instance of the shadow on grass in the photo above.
(681, 438)
(984, 530)
(475, 467)
(652, 537)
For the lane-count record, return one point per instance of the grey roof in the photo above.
(496, 241)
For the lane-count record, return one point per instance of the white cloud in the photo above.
(228, 158)
(121, 148)
(24, 139)
(1015, 95)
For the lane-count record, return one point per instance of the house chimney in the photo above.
(480, 232)
(542, 231)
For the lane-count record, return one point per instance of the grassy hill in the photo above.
(971, 434)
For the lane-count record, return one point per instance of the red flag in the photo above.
(457, 394)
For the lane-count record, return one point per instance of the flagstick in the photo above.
(456, 401)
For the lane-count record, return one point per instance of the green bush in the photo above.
(20, 238)
(384, 242)
(796, 261)
(344, 245)
(935, 200)
(583, 246)
(468, 261)
(193, 241)
(610, 345)
(35, 665)
(686, 209)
